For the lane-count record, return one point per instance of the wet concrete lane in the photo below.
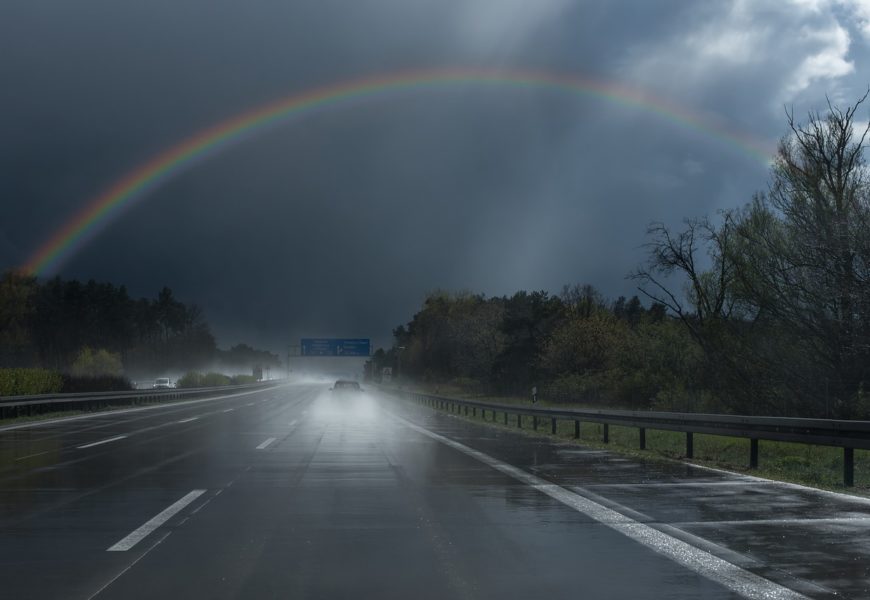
(293, 493)
(355, 503)
(58, 517)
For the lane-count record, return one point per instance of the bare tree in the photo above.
(709, 292)
(782, 297)
(804, 250)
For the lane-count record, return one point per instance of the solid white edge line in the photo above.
(820, 521)
(149, 526)
(266, 443)
(743, 582)
(106, 441)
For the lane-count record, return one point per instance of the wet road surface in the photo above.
(293, 492)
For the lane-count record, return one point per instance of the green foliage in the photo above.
(96, 363)
(14, 382)
(192, 379)
(212, 379)
(243, 379)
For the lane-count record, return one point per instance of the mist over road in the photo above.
(295, 492)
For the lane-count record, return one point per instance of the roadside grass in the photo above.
(816, 466)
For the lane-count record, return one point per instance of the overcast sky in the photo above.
(337, 224)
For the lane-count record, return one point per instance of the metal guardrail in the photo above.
(820, 432)
(16, 406)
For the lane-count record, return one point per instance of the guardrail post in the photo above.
(535, 422)
(753, 453)
(466, 410)
(642, 432)
(690, 445)
(848, 467)
(606, 433)
(576, 429)
(473, 411)
(505, 418)
(553, 426)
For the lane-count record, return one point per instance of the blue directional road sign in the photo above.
(336, 347)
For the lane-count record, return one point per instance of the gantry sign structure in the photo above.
(335, 347)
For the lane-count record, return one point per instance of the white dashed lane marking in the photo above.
(101, 442)
(149, 526)
(265, 444)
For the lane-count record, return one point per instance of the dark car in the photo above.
(346, 386)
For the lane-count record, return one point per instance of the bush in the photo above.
(191, 379)
(215, 379)
(96, 363)
(14, 382)
(242, 379)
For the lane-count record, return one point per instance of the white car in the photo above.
(162, 383)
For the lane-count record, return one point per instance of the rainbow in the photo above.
(112, 202)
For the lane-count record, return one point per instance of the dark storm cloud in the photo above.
(338, 223)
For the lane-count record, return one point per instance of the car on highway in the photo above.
(346, 387)
(162, 383)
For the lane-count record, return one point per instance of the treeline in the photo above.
(763, 309)
(575, 346)
(94, 329)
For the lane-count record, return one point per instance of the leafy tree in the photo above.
(529, 318)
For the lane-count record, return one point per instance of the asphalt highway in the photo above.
(294, 492)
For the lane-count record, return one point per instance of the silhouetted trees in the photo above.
(54, 323)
